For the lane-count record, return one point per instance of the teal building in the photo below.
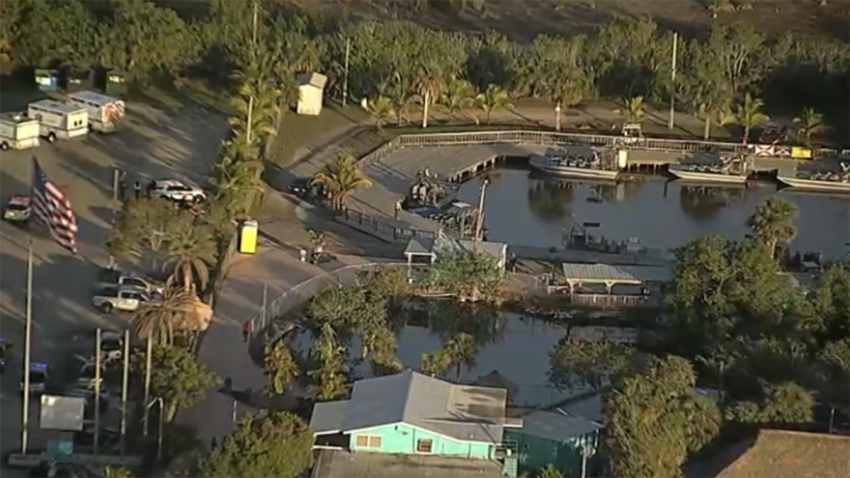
(552, 437)
(410, 413)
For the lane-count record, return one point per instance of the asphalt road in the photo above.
(152, 144)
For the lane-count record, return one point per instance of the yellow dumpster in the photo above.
(799, 152)
(248, 237)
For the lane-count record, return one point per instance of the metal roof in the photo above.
(445, 245)
(56, 107)
(461, 412)
(420, 246)
(316, 80)
(612, 273)
(556, 426)
(93, 97)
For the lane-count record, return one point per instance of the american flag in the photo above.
(53, 209)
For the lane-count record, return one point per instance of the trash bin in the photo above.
(116, 83)
(78, 80)
(248, 232)
(46, 79)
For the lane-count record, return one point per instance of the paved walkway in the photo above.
(223, 349)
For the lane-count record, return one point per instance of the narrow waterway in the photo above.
(527, 208)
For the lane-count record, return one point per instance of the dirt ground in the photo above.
(523, 20)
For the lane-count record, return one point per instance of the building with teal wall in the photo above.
(552, 437)
(410, 413)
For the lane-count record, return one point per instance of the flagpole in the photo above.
(27, 350)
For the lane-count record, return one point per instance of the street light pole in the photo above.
(479, 226)
(124, 389)
(97, 392)
(345, 75)
(148, 360)
(161, 419)
(672, 120)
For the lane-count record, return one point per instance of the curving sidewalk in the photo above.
(223, 349)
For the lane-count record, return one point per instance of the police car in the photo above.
(38, 377)
(177, 191)
(17, 209)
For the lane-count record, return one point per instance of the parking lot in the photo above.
(151, 144)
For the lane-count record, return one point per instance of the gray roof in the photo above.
(317, 80)
(458, 411)
(445, 245)
(556, 426)
(622, 274)
(421, 246)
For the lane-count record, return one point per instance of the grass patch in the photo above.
(297, 131)
(174, 96)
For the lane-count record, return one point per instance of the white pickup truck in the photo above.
(125, 299)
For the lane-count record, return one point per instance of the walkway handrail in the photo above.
(304, 291)
(554, 138)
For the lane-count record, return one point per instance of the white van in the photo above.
(59, 120)
(105, 112)
(17, 131)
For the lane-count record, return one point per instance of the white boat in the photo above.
(816, 184)
(573, 166)
(829, 181)
(705, 174)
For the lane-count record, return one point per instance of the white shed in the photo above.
(311, 88)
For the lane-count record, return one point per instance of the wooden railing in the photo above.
(551, 137)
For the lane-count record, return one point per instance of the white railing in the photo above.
(301, 293)
(551, 137)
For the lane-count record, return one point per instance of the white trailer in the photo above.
(105, 112)
(18, 132)
(59, 120)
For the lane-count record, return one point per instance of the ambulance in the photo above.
(105, 112)
(58, 120)
(17, 131)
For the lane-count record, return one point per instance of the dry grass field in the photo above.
(523, 20)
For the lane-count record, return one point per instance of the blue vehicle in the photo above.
(39, 373)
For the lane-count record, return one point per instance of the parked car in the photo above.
(177, 191)
(5, 352)
(125, 299)
(17, 209)
(114, 278)
(39, 375)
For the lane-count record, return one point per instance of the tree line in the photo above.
(407, 64)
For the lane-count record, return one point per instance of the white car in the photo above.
(177, 191)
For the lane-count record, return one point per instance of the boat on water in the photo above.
(730, 170)
(824, 181)
(574, 166)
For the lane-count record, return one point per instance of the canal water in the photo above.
(523, 207)
(515, 346)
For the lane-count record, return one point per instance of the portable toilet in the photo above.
(46, 79)
(116, 83)
(248, 232)
(78, 80)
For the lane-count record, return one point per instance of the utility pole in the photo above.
(124, 388)
(97, 392)
(263, 313)
(248, 132)
(148, 360)
(254, 29)
(672, 120)
(345, 76)
(27, 352)
(479, 226)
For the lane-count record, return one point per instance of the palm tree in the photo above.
(749, 114)
(280, 368)
(190, 249)
(429, 84)
(634, 109)
(160, 320)
(380, 109)
(458, 97)
(461, 351)
(259, 99)
(237, 185)
(341, 178)
(808, 123)
(494, 99)
(564, 89)
(773, 223)
(401, 96)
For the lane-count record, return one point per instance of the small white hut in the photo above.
(311, 89)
